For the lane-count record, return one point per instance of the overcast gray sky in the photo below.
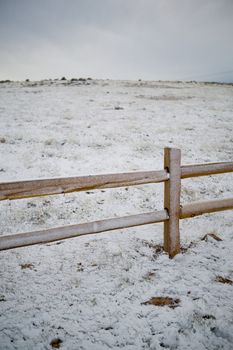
(117, 39)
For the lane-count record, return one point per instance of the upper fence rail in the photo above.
(44, 187)
(53, 186)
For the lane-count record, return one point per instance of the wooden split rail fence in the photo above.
(171, 175)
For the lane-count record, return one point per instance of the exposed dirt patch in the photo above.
(163, 301)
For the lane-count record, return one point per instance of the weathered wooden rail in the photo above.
(173, 211)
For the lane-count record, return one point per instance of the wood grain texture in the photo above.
(203, 207)
(205, 169)
(43, 187)
(172, 158)
(56, 234)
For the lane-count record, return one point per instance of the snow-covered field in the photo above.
(89, 291)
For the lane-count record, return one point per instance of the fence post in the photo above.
(172, 159)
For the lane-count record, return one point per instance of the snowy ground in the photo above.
(89, 291)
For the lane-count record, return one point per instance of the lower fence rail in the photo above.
(198, 208)
(60, 233)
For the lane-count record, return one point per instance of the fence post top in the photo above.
(171, 149)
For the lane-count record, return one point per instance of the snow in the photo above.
(89, 291)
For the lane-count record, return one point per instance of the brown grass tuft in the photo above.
(213, 235)
(223, 280)
(26, 266)
(55, 343)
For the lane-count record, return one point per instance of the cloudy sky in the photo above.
(117, 39)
